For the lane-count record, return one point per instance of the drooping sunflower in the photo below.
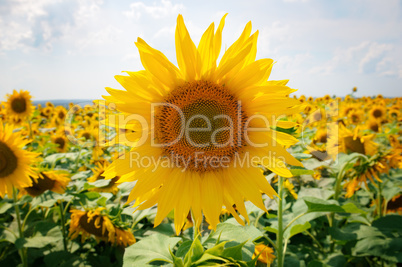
(96, 222)
(55, 181)
(341, 139)
(364, 173)
(98, 171)
(196, 120)
(19, 105)
(15, 162)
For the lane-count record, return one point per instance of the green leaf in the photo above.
(209, 260)
(351, 208)
(317, 263)
(184, 248)
(301, 171)
(5, 206)
(234, 252)
(389, 223)
(100, 183)
(194, 253)
(177, 261)
(41, 238)
(151, 248)
(92, 195)
(101, 201)
(320, 205)
(236, 233)
(298, 228)
(270, 229)
(217, 250)
(58, 258)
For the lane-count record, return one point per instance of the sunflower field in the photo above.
(313, 182)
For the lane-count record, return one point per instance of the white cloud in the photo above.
(374, 56)
(380, 59)
(27, 25)
(157, 11)
(165, 32)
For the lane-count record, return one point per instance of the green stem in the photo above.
(271, 242)
(22, 251)
(341, 173)
(379, 199)
(294, 219)
(315, 240)
(77, 160)
(63, 225)
(257, 219)
(30, 129)
(26, 217)
(339, 179)
(279, 236)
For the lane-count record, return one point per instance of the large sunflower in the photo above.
(19, 105)
(14, 161)
(197, 120)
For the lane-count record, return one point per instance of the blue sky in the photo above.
(72, 49)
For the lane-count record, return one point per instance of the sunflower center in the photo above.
(60, 141)
(19, 105)
(377, 113)
(354, 145)
(8, 160)
(374, 127)
(87, 136)
(90, 226)
(200, 126)
(61, 115)
(41, 185)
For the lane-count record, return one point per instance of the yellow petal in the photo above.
(212, 197)
(186, 52)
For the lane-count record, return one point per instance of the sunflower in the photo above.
(55, 181)
(373, 125)
(320, 135)
(61, 141)
(96, 222)
(347, 141)
(46, 112)
(290, 187)
(14, 161)
(19, 105)
(378, 112)
(356, 116)
(348, 109)
(89, 135)
(218, 162)
(364, 172)
(267, 254)
(395, 205)
(59, 115)
(394, 113)
(98, 175)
